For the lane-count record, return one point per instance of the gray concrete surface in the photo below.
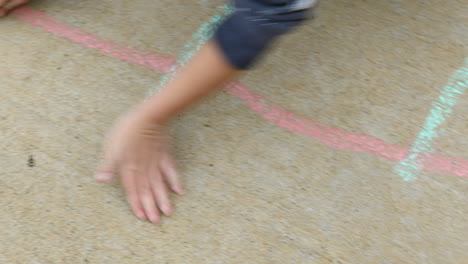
(258, 193)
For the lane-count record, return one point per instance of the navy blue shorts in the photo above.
(255, 24)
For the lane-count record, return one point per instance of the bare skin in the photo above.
(7, 5)
(138, 148)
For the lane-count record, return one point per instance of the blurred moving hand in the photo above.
(8, 5)
(138, 150)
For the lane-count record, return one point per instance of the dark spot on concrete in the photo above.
(211, 165)
(31, 161)
(206, 125)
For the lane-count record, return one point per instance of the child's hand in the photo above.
(138, 150)
(8, 5)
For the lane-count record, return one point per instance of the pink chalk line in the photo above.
(332, 137)
(141, 57)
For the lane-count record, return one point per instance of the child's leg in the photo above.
(255, 24)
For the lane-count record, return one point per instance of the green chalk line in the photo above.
(441, 110)
(420, 149)
(199, 38)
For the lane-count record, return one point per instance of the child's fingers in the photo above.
(159, 189)
(9, 5)
(106, 169)
(3, 2)
(129, 178)
(147, 198)
(168, 167)
(2, 10)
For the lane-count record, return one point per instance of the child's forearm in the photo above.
(206, 71)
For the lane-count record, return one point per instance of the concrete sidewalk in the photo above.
(260, 189)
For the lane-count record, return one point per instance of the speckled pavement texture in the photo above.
(258, 193)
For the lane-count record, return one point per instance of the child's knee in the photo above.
(256, 23)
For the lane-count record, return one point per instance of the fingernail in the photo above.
(103, 176)
(166, 210)
(154, 219)
(178, 189)
(141, 215)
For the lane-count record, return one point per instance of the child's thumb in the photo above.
(106, 169)
(104, 176)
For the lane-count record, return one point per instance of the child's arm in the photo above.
(207, 71)
(138, 147)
